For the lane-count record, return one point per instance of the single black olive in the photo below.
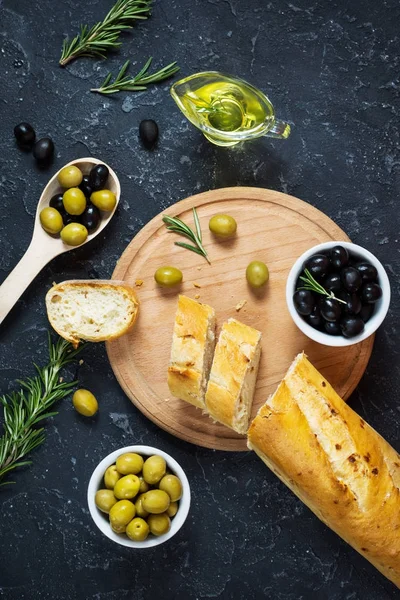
(43, 150)
(353, 303)
(91, 218)
(339, 257)
(370, 292)
(67, 218)
(332, 328)
(304, 302)
(25, 134)
(315, 318)
(367, 271)
(351, 279)
(98, 177)
(317, 264)
(57, 202)
(148, 132)
(366, 312)
(351, 326)
(330, 309)
(85, 186)
(332, 283)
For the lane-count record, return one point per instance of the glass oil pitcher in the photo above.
(226, 109)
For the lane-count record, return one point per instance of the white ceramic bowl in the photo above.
(101, 519)
(381, 306)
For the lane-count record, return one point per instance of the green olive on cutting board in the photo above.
(257, 274)
(222, 225)
(168, 276)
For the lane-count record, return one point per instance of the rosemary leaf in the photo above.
(176, 225)
(23, 410)
(125, 83)
(197, 224)
(104, 35)
(312, 285)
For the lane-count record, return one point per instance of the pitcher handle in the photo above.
(280, 129)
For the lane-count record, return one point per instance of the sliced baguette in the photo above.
(340, 467)
(91, 310)
(233, 375)
(192, 349)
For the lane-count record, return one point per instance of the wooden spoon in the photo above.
(44, 247)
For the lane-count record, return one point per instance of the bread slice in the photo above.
(340, 467)
(92, 310)
(233, 375)
(192, 349)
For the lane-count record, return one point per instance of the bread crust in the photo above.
(90, 284)
(338, 465)
(192, 346)
(236, 356)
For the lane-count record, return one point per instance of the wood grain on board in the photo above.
(272, 227)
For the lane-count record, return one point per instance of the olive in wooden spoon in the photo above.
(43, 247)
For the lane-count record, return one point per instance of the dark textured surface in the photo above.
(333, 71)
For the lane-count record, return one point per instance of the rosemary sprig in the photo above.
(137, 83)
(103, 36)
(312, 284)
(204, 107)
(176, 225)
(25, 409)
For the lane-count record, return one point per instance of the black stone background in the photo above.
(331, 69)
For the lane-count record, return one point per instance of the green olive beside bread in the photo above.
(139, 496)
(168, 276)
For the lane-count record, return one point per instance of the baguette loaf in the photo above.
(91, 310)
(340, 467)
(192, 350)
(233, 375)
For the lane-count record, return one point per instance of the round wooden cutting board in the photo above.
(272, 227)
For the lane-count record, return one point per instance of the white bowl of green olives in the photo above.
(338, 293)
(139, 496)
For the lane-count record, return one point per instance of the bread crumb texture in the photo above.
(93, 312)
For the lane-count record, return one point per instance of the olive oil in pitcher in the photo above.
(226, 109)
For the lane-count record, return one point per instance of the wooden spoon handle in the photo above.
(21, 276)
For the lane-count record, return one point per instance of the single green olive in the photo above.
(111, 477)
(168, 276)
(51, 220)
(70, 177)
(144, 486)
(159, 524)
(127, 487)
(172, 485)
(155, 501)
(139, 507)
(104, 200)
(172, 509)
(105, 500)
(257, 274)
(85, 403)
(74, 201)
(222, 225)
(137, 530)
(154, 469)
(74, 234)
(129, 463)
(121, 514)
